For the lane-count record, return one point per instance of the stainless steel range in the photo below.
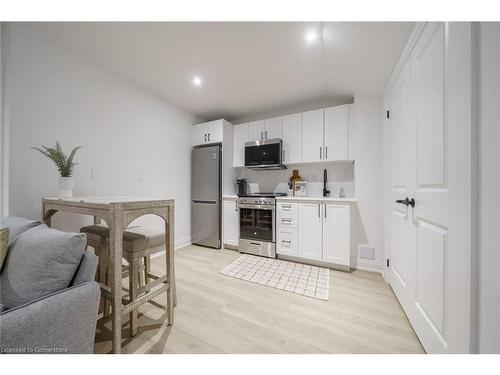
(257, 218)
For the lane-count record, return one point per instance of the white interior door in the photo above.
(431, 247)
(401, 240)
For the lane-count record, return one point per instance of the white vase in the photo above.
(65, 187)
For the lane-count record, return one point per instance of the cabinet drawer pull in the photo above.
(286, 208)
(209, 136)
(326, 152)
(286, 221)
(320, 153)
(205, 137)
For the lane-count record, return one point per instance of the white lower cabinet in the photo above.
(336, 234)
(318, 231)
(230, 214)
(286, 243)
(309, 231)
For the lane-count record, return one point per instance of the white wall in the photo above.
(55, 94)
(4, 144)
(489, 297)
(368, 176)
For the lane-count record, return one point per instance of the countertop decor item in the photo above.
(294, 177)
(300, 188)
(64, 164)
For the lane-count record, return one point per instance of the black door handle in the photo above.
(406, 202)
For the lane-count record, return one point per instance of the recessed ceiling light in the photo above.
(311, 36)
(197, 81)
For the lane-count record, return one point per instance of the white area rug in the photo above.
(293, 277)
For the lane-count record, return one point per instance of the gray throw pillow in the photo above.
(40, 262)
(17, 225)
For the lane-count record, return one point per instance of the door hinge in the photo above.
(388, 114)
(387, 262)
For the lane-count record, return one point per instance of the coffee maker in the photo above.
(241, 184)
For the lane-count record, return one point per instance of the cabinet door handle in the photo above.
(236, 206)
(265, 133)
(283, 155)
(205, 137)
(325, 212)
(261, 135)
(326, 152)
(209, 136)
(319, 214)
(320, 153)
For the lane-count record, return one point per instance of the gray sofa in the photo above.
(48, 297)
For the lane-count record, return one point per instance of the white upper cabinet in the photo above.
(312, 136)
(215, 130)
(207, 132)
(336, 133)
(336, 234)
(273, 128)
(256, 130)
(309, 231)
(292, 138)
(240, 137)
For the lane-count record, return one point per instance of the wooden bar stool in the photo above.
(139, 243)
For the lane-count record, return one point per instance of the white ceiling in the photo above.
(246, 68)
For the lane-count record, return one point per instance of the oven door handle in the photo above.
(256, 206)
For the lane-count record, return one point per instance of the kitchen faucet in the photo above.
(325, 181)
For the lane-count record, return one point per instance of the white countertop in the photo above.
(322, 199)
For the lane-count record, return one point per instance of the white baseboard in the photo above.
(370, 269)
(177, 247)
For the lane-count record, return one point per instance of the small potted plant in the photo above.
(64, 164)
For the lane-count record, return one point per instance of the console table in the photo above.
(118, 213)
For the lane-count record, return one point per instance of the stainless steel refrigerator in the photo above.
(206, 173)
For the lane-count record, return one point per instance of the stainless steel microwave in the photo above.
(264, 154)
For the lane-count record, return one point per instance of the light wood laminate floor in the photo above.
(220, 314)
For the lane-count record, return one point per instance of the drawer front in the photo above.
(287, 242)
(287, 215)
